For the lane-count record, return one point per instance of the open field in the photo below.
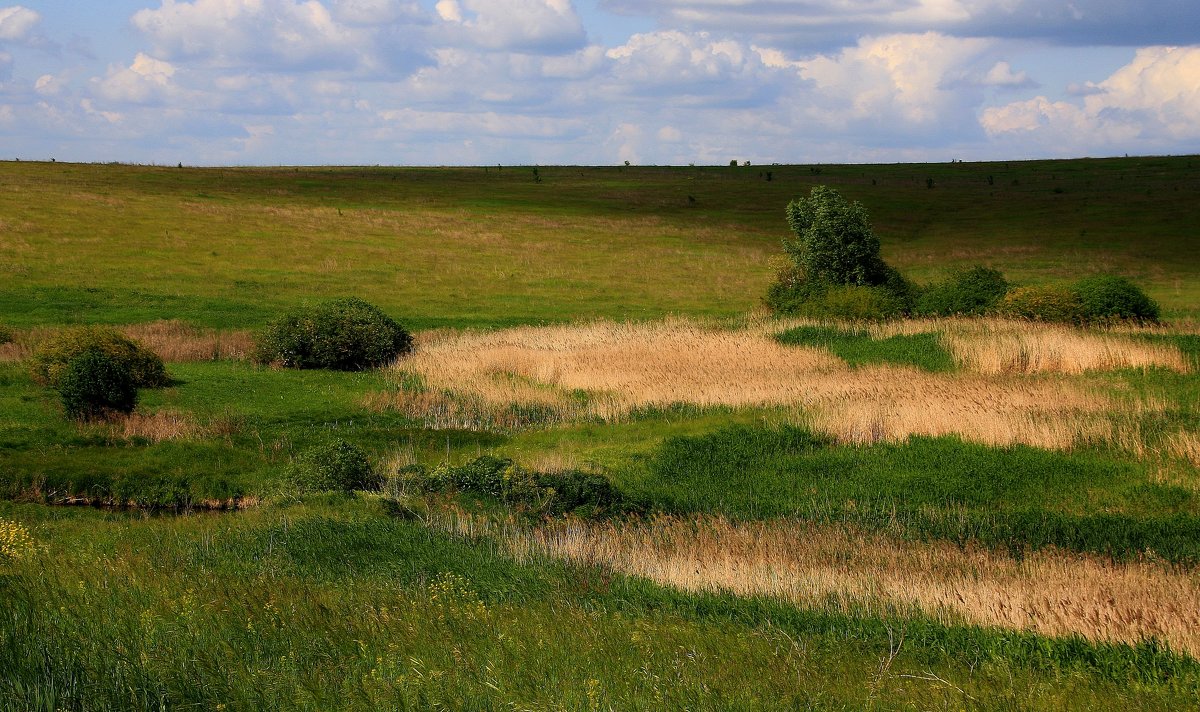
(935, 514)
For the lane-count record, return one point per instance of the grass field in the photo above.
(931, 514)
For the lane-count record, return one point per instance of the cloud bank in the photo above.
(487, 81)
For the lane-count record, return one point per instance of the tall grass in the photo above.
(328, 606)
(607, 372)
(845, 571)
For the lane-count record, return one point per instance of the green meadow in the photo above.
(982, 530)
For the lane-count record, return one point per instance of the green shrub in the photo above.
(1109, 298)
(1043, 303)
(337, 466)
(970, 292)
(853, 303)
(95, 384)
(342, 335)
(6, 335)
(50, 359)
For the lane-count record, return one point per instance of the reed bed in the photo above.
(607, 371)
(1000, 347)
(846, 571)
(171, 339)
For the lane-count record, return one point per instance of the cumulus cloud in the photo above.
(1067, 21)
(284, 34)
(906, 79)
(547, 26)
(1152, 102)
(691, 67)
(145, 81)
(18, 24)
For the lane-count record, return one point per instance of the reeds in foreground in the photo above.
(825, 567)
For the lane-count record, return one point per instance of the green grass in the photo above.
(330, 605)
(1018, 497)
(857, 348)
(472, 246)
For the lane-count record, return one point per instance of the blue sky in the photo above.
(434, 82)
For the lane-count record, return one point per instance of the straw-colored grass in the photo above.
(1005, 347)
(172, 340)
(831, 568)
(607, 371)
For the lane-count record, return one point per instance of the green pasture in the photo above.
(330, 602)
(490, 246)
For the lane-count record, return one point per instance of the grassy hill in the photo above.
(502, 245)
(628, 492)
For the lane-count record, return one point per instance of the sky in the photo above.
(597, 82)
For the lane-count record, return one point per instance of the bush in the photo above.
(1043, 303)
(971, 292)
(94, 384)
(852, 303)
(342, 335)
(50, 360)
(1109, 298)
(6, 335)
(337, 466)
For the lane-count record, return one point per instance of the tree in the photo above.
(833, 242)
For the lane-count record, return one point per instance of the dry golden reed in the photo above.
(831, 568)
(607, 371)
(172, 340)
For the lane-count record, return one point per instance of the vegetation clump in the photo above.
(544, 493)
(15, 541)
(1107, 298)
(834, 269)
(53, 356)
(337, 466)
(340, 335)
(972, 292)
(6, 335)
(95, 384)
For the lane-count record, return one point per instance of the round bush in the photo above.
(49, 361)
(970, 292)
(338, 466)
(1042, 303)
(94, 384)
(1109, 298)
(342, 335)
(6, 335)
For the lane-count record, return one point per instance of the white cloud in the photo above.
(18, 24)
(695, 67)
(542, 26)
(374, 12)
(1002, 75)
(145, 81)
(285, 34)
(1151, 103)
(905, 78)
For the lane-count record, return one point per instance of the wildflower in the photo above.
(15, 542)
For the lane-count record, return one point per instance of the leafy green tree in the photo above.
(833, 242)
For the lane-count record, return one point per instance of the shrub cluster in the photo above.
(342, 335)
(834, 271)
(51, 358)
(834, 268)
(337, 466)
(95, 384)
(6, 335)
(543, 493)
(971, 292)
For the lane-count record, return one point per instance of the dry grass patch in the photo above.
(608, 371)
(1011, 347)
(172, 340)
(1051, 593)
